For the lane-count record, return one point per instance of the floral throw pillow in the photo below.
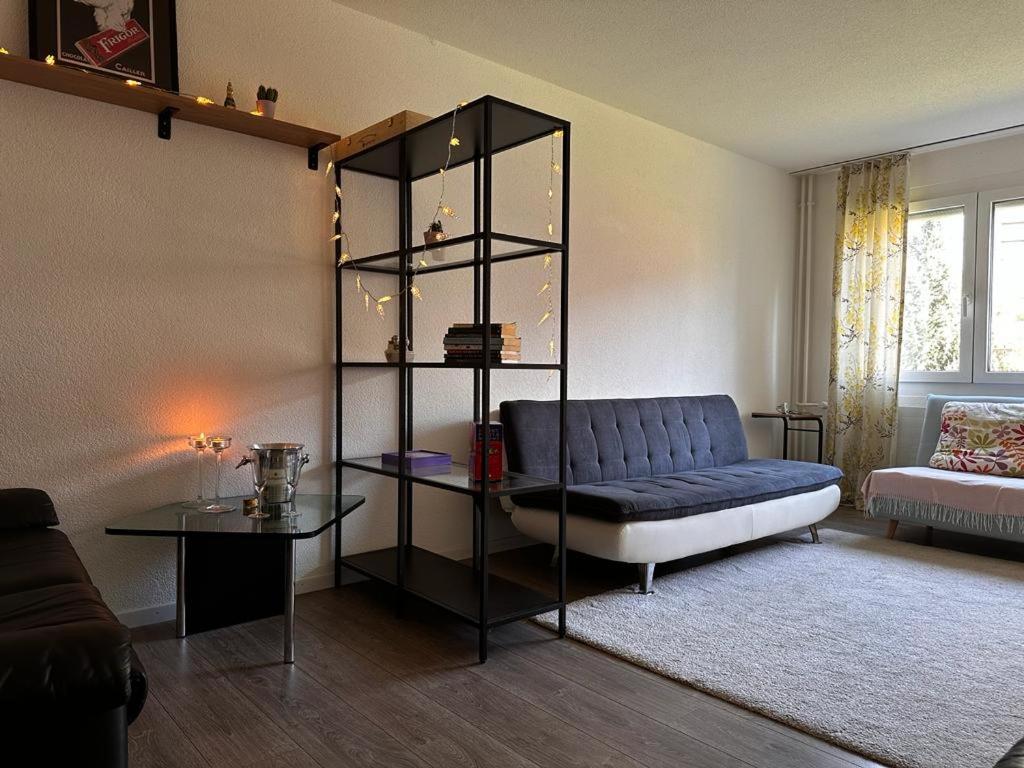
(987, 438)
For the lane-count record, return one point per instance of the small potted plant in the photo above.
(266, 101)
(435, 234)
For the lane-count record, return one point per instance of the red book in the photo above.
(494, 451)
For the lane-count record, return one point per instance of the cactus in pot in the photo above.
(266, 101)
(434, 234)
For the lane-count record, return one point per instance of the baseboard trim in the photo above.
(321, 578)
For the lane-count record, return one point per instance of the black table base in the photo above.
(231, 582)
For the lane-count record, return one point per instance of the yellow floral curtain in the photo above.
(867, 290)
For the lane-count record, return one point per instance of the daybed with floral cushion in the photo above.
(969, 475)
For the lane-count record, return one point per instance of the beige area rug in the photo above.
(910, 655)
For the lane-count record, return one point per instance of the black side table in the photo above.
(237, 568)
(802, 418)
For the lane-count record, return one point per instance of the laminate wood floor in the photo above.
(369, 689)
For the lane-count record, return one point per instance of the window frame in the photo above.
(968, 326)
(983, 283)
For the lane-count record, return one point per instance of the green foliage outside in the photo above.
(931, 320)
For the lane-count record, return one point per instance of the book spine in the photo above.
(497, 328)
(494, 452)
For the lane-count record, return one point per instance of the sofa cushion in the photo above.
(38, 557)
(933, 419)
(985, 438)
(624, 439)
(60, 646)
(681, 494)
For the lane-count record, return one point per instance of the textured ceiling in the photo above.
(793, 83)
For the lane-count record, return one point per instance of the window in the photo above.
(939, 284)
(1000, 328)
(963, 315)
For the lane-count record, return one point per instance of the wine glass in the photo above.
(259, 483)
(198, 444)
(219, 445)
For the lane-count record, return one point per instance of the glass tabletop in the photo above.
(316, 513)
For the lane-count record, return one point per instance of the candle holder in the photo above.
(219, 445)
(199, 445)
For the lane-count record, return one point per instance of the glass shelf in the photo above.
(458, 480)
(458, 253)
(452, 585)
(439, 364)
(427, 144)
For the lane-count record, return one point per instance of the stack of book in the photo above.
(464, 343)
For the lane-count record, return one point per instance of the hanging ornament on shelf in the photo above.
(545, 292)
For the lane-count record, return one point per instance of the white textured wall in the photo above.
(153, 289)
(958, 170)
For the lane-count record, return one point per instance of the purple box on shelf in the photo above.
(420, 462)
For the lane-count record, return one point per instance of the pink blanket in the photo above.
(982, 494)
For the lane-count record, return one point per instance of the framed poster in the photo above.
(128, 39)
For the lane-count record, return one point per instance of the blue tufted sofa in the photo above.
(656, 479)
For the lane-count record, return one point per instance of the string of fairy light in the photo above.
(554, 169)
(341, 235)
(369, 297)
(50, 60)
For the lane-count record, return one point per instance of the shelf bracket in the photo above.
(163, 122)
(314, 156)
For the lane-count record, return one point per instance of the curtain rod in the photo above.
(939, 142)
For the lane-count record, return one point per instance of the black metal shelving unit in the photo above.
(485, 127)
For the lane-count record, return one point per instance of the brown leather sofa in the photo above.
(70, 682)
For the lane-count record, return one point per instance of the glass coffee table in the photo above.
(233, 568)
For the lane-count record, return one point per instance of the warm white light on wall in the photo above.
(50, 60)
(203, 100)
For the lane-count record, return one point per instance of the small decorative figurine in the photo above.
(266, 101)
(229, 100)
(391, 351)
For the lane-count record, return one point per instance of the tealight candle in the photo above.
(219, 445)
(199, 444)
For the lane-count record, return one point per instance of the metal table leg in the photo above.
(289, 603)
(179, 615)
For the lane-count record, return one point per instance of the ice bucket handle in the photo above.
(302, 462)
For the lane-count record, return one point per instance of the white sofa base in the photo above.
(658, 541)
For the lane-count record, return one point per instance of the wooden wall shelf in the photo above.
(162, 104)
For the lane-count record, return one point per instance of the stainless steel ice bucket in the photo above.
(276, 468)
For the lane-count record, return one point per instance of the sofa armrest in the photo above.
(82, 665)
(26, 508)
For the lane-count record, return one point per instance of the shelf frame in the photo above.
(487, 126)
(166, 106)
